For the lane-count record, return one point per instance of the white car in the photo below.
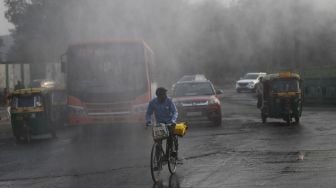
(249, 82)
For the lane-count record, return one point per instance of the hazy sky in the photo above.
(4, 25)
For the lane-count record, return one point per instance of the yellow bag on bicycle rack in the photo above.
(181, 129)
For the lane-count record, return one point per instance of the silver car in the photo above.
(249, 82)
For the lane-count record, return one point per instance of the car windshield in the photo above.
(196, 77)
(251, 76)
(193, 89)
(186, 78)
(285, 85)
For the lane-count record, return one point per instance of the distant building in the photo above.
(14, 70)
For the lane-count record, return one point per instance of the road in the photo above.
(242, 152)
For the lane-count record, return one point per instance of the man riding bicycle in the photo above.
(164, 110)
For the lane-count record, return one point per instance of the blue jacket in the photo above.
(165, 112)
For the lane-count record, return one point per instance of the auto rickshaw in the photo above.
(36, 111)
(282, 96)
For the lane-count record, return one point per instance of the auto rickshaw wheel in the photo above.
(263, 118)
(18, 138)
(27, 135)
(16, 134)
(19, 134)
(218, 121)
(297, 119)
(288, 120)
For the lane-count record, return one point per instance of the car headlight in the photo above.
(251, 84)
(213, 101)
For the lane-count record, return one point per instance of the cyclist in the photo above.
(164, 110)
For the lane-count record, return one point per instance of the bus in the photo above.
(108, 81)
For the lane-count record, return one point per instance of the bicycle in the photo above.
(159, 157)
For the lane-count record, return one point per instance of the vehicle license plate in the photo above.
(194, 113)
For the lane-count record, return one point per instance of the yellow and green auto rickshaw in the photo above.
(282, 97)
(36, 111)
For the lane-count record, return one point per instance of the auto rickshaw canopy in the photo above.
(32, 91)
(282, 75)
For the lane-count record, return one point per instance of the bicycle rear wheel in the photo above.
(172, 156)
(156, 161)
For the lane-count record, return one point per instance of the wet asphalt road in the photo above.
(243, 152)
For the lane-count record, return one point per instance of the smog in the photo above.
(111, 55)
(187, 36)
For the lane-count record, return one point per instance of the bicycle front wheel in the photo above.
(156, 161)
(172, 158)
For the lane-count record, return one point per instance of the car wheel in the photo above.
(238, 91)
(217, 121)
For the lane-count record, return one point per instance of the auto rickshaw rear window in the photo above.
(27, 101)
(285, 85)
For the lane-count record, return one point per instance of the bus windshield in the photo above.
(108, 68)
